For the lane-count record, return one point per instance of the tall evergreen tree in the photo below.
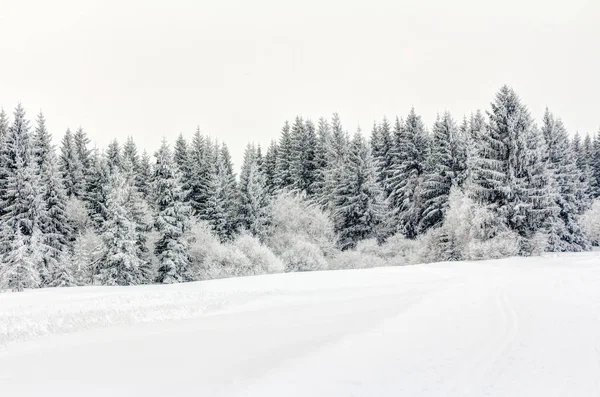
(446, 167)
(198, 169)
(81, 141)
(113, 156)
(172, 221)
(253, 212)
(270, 167)
(358, 198)
(283, 177)
(571, 200)
(71, 167)
(410, 153)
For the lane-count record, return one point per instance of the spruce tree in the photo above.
(172, 221)
(144, 176)
(594, 159)
(81, 141)
(410, 153)
(122, 262)
(571, 199)
(283, 177)
(253, 208)
(358, 198)
(198, 169)
(113, 156)
(71, 167)
(446, 167)
(270, 167)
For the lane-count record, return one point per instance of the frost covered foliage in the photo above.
(591, 222)
(245, 256)
(469, 232)
(300, 233)
(357, 259)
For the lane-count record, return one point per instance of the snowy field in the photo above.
(512, 327)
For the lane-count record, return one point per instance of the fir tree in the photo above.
(81, 141)
(283, 177)
(446, 167)
(358, 199)
(71, 167)
(122, 263)
(113, 156)
(198, 169)
(144, 176)
(406, 173)
(571, 200)
(270, 167)
(253, 213)
(172, 221)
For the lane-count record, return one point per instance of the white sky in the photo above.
(238, 69)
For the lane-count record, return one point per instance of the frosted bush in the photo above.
(261, 259)
(354, 259)
(77, 214)
(591, 222)
(503, 245)
(294, 219)
(398, 250)
(302, 256)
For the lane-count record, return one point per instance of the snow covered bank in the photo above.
(519, 326)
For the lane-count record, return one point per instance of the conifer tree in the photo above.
(4, 123)
(81, 141)
(446, 167)
(283, 177)
(71, 167)
(358, 198)
(113, 156)
(594, 156)
(198, 169)
(410, 153)
(302, 159)
(172, 221)
(570, 198)
(145, 175)
(270, 167)
(122, 262)
(253, 212)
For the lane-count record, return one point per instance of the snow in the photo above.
(510, 327)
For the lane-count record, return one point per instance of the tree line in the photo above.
(77, 216)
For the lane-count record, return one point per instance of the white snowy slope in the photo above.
(513, 327)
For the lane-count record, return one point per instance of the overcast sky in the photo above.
(238, 69)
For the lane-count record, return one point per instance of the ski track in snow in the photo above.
(511, 327)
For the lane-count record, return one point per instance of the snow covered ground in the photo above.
(513, 327)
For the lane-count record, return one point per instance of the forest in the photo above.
(491, 184)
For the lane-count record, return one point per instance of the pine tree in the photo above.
(96, 193)
(4, 123)
(172, 221)
(54, 226)
(270, 167)
(81, 141)
(337, 157)
(594, 157)
(446, 167)
(145, 175)
(221, 211)
(321, 156)
(571, 199)
(252, 212)
(283, 178)
(20, 263)
(71, 167)
(381, 142)
(22, 204)
(302, 159)
(410, 153)
(113, 156)
(358, 198)
(199, 173)
(122, 263)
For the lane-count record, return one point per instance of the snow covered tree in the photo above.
(4, 123)
(221, 210)
(172, 221)
(446, 167)
(144, 176)
(122, 262)
(302, 159)
(410, 153)
(594, 159)
(358, 199)
(113, 156)
(381, 144)
(199, 173)
(337, 157)
(20, 263)
(321, 156)
(283, 178)
(270, 167)
(81, 142)
(96, 193)
(71, 167)
(253, 209)
(571, 199)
